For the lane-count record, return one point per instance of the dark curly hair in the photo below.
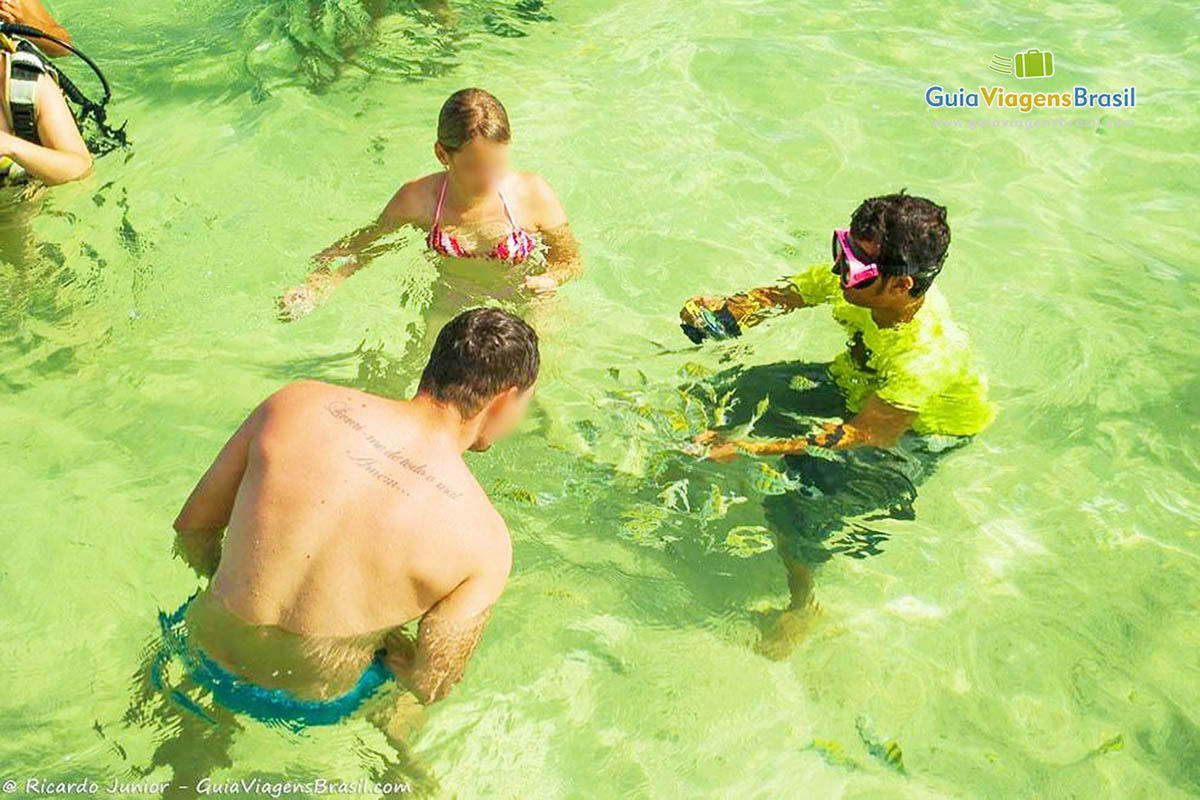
(911, 232)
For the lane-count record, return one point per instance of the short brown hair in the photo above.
(469, 113)
(477, 355)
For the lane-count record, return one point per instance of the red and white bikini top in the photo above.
(515, 247)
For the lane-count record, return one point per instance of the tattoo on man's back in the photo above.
(373, 465)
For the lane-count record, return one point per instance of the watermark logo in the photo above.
(1033, 63)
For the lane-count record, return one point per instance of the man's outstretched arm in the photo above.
(751, 307)
(203, 518)
(877, 424)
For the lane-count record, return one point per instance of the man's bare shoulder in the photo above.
(495, 530)
(290, 411)
(471, 499)
(472, 512)
(308, 392)
(495, 544)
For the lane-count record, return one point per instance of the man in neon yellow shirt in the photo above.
(907, 383)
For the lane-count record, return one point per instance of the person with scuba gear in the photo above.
(39, 138)
(32, 12)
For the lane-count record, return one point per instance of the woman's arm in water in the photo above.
(354, 251)
(563, 261)
(34, 14)
(63, 157)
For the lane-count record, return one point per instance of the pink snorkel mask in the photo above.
(855, 274)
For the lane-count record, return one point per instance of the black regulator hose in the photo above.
(89, 107)
(29, 32)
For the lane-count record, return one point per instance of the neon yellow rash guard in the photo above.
(924, 365)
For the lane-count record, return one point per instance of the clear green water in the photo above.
(1042, 604)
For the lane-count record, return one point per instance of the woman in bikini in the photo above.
(476, 208)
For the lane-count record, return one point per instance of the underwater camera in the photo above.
(719, 324)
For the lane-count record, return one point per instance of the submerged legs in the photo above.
(785, 629)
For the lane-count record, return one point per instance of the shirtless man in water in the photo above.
(345, 516)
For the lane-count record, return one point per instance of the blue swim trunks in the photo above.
(272, 706)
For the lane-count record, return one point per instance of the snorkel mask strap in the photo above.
(928, 271)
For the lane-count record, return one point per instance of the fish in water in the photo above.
(888, 752)
(675, 496)
(745, 541)
(768, 480)
(641, 525)
(718, 504)
(833, 754)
